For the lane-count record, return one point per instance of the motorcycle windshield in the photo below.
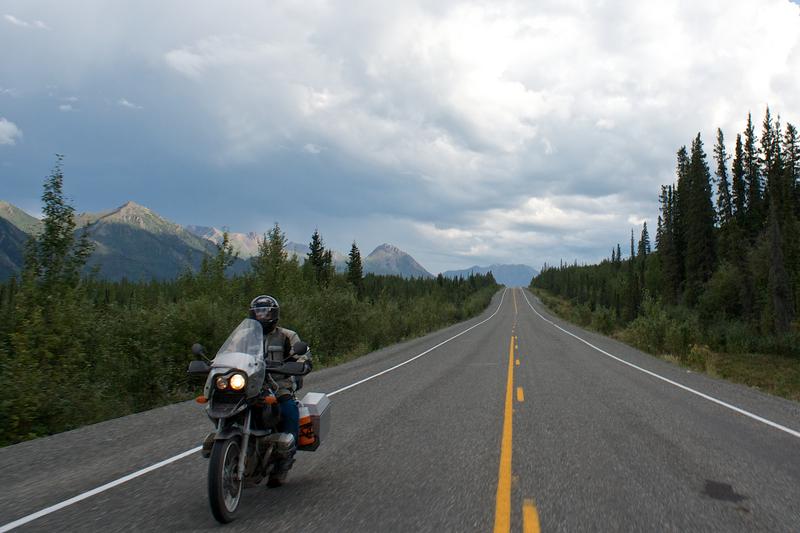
(248, 338)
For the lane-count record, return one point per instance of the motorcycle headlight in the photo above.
(237, 381)
(221, 383)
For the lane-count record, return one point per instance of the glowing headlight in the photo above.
(238, 381)
(222, 383)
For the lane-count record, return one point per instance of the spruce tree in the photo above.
(753, 180)
(781, 295)
(724, 200)
(739, 185)
(632, 303)
(791, 151)
(270, 263)
(318, 259)
(681, 195)
(670, 260)
(644, 243)
(698, 224)
(316, 251)
(791, 211)
(355, 272)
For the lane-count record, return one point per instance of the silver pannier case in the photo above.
(319, 410)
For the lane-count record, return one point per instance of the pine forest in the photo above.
(76, 349)
(721, 275)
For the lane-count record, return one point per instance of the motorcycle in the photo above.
(239, 398)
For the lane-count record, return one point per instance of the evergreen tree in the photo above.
(724, 199)
(739, 187)
(355, 271)
(779, 283)
(632, 303)
(670, 260)
(791, 209)
(327, 271)
(269, 264)
(681, 195)
(791, 151)
(212, 269)
(753, 180)
(54, 258)
(318, 258)
(644, 243)
(698, 224)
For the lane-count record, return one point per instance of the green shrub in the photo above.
(603, 320)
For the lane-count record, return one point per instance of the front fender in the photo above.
(228, 433)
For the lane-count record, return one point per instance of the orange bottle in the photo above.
(307, 437)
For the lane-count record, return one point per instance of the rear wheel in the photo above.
(224, 479)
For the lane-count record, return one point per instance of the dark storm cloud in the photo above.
(466, 132)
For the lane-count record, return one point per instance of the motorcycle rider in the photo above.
(278, 343)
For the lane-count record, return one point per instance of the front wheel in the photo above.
(224, 479)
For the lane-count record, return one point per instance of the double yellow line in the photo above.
(502, 516)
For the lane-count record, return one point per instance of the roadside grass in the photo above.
(679, 343)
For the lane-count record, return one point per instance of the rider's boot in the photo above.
(286, 448)
(279, 472)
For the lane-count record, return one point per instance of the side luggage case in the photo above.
(315, 420)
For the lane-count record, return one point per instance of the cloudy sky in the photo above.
(463, 132)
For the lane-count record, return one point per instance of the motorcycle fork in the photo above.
(245, 440)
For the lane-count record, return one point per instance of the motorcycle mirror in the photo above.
(198, 349)
(300, 348)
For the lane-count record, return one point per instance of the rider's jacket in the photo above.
(278, 348)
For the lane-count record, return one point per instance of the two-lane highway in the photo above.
(508, 421)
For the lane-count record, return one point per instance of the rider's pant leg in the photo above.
(290, 417)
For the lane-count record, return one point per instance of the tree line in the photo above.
(725, 271)
(76, 349)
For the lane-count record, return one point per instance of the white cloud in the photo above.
(124, 102)
(9, 132)
(35, 24)
(516, 128)
(66, 108)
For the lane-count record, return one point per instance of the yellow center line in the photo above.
(530, 518)
(514, 294)
(520, 395)
(502, 513)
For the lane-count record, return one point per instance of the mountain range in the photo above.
(508, 275)
(136, 243)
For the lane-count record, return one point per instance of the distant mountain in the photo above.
(244, 243)
(12, 249)
(135, 242)
(247, 245)
(19, 218)
(392, 261)
(508, 275)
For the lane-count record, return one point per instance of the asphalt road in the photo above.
(514, 424)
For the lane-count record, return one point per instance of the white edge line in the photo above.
(739, 410)
(423, 353)
(88, 494)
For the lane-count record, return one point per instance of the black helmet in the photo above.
(266, 310)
